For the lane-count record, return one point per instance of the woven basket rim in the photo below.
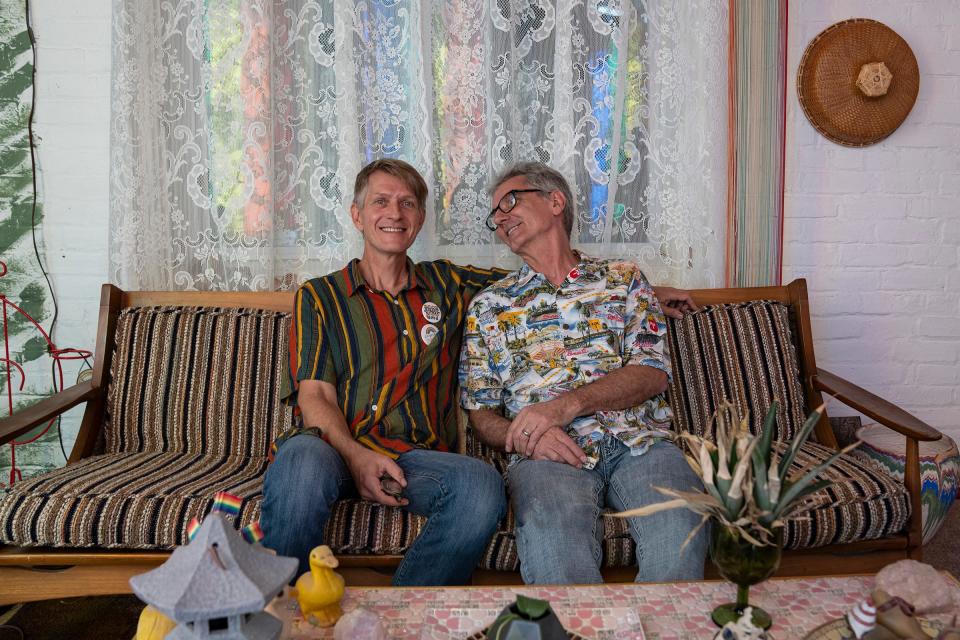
(826, 82)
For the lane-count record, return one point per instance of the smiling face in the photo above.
(532, 216)
(389, 217)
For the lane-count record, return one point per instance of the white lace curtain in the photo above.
(238, 127)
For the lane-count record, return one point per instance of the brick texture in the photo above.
(886, 314)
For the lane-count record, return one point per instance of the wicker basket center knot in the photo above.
(874, 79)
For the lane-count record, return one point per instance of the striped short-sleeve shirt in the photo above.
(392, 359)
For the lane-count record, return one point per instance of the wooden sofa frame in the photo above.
(32, 573)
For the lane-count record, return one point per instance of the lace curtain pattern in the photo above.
(238, 127)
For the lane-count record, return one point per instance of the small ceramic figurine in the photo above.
(742, 629)
(862, 618)
(319, 591)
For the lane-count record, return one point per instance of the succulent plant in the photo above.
(746, 481)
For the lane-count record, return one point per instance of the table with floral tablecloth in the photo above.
(602, 612)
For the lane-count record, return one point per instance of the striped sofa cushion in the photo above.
(146, 501)
(197, 380)
(743, 353)
(127, 500)
(860, 504)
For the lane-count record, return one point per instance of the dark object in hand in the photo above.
(391, 487)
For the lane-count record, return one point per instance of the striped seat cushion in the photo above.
(860, 504)
(127, 500)
(198, 380)
(146, 501)
(743, 353)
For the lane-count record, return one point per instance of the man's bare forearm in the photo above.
(622, 388)
(490, 427)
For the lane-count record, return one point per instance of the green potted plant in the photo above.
(748, 495)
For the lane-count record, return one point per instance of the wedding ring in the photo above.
(526, 434)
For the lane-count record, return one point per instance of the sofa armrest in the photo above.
(895, 418)
(47, 409)
(884, 412)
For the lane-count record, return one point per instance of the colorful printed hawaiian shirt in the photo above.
(527, 341)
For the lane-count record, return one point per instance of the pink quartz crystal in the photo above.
(921, 585)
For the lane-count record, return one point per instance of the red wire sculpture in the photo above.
(58, 355)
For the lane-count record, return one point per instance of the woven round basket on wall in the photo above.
(857, 82)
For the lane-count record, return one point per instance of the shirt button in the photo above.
(395, 301)
(405, 332)
(374, 407)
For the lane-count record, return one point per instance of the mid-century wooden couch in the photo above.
(185, 399)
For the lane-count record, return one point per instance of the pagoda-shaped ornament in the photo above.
(217, 585)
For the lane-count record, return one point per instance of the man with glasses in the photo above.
(565, 364)
(374, 356)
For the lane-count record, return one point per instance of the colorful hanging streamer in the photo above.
(757, 135)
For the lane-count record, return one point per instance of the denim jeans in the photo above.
(461, 497)
(558, 508)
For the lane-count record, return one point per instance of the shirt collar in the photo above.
(584, 262)
(354, 279)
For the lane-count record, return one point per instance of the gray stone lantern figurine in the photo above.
(217, 585)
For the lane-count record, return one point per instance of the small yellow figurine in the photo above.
(153, 625)
(319, 591)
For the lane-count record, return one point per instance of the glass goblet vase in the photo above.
(744, 564)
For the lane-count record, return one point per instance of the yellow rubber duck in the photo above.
(319, 591)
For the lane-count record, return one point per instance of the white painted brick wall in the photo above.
(876, 230)
(72, 123)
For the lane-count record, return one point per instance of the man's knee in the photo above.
(304, 465)
(481, 486)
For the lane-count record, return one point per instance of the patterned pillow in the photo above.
(742, 352)
(200, 380)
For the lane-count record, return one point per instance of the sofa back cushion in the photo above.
(197, 380)
(742, 352)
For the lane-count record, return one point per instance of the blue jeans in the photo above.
(558, 515)
(461, 497)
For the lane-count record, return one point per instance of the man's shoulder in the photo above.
(497, 289)
(319, 287)
(619, 269)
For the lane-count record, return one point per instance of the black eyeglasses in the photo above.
(507, 203)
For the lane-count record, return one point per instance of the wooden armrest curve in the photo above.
(48, 408)
(884, 412)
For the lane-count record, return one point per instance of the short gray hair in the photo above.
(540, 176)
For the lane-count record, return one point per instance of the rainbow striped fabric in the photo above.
(227, 503)
(757, 80)
(192, 528)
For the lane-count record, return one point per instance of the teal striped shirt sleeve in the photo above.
(314, 359)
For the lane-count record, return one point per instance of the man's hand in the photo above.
(533, 421)
(557, 446)
(367, 467)
(675, 302)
